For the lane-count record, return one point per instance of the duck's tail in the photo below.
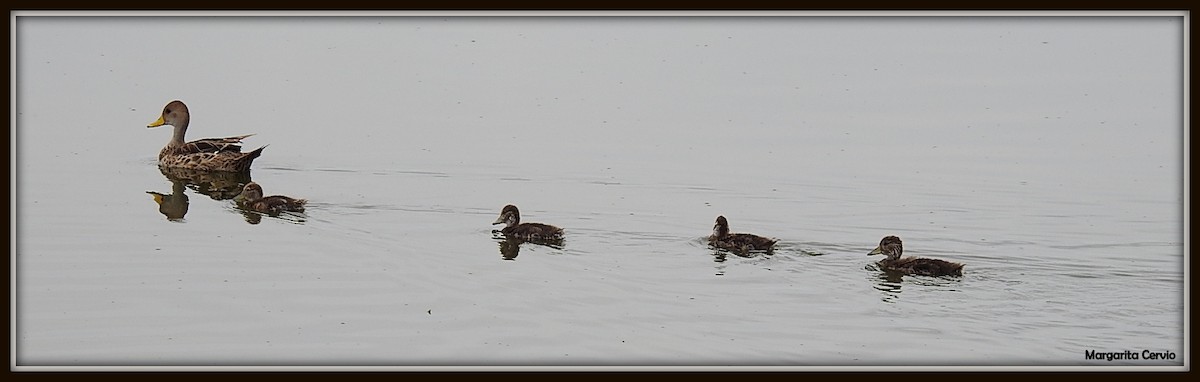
(244, 162)
(257, 152)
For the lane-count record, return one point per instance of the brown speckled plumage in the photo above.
(740, 242)
(253, 199)
(892, 247)
(511, 218)
(209, 154)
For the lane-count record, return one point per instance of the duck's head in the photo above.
(890, 246)
(252, 191)
(174, 114)
(509, 216)
(721, 228)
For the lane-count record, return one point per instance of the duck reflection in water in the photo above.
(218, 185)
(253, 204)
(885, 280)
(173, 206)
(888, 283)
(720, 255)
(510, 247)
(516, 233)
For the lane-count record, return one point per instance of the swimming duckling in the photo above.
(209, 154)
(721, 238)
(891, 247)
(252, 198)
(529, 231)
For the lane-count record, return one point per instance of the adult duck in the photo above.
(209, 154)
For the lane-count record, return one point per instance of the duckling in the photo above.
(529, 231)
(892, 248)
(209, 154)
(721, 238)
(252, 198)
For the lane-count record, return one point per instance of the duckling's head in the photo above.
(174, 114)
(890, 246)
(252, 191)
(509, 216)
(721, 228)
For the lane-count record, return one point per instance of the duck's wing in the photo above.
(209, 155)
(538, 231)
(213, 145)
(929, 267)
(755, 241)
(284, 203)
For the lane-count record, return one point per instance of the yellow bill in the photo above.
(157, 123)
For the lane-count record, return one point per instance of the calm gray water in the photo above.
(1045, 153)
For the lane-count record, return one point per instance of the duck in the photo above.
(253, 199)
(511, 218)
(741, 242)
(209, 154)
(892, 247)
